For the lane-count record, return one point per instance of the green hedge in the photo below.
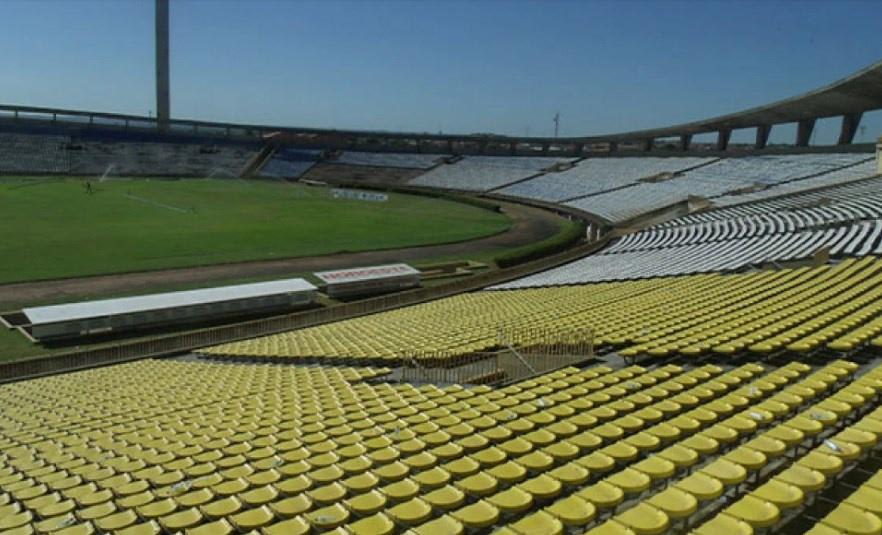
(569, 236)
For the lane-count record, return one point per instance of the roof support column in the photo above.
(850, 122)
(762, 136)
(578, 149)
(513, 148)
(685, 141)
(613, 146)
(163, 106)
(545, 147)
(804, 132)
(723, 139)
(647, 144)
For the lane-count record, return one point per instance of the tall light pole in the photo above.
(556, 123)
(163, 104)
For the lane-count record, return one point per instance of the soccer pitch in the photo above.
(56, 228)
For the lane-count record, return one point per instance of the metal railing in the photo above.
(523, 352)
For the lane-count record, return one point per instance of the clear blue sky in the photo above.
(425, 65)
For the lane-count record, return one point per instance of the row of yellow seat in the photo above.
(215, 447)
(834, 306)
(636, 464)
(860, 511)
(764, 507)
(695, 497)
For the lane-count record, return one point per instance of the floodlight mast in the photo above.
(163, 105)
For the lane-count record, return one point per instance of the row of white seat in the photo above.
(864, 168)
(596, 175)
(389, 159)
(290, 163)
(771, 221)
(856, 189)
(710, 181)
(33, 154)
(179, 159)
(27, 153)
(858, 239)
(484, 173)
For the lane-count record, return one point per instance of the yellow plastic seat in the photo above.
(867, 498)
(328, 518)
(573, 511)
(393, 471)
(681, 456)
(541, 486)
(116, 521)
(570, 474)
(596, 463)
(477, 515)
(603, 495)
(621, 451)
(444, 525)
(157, 509)
(401, 490)
(181, 520)
(252, 518)
(221, 508)
(703, 444)
(513, 500)
(674, 502)
(478, 485)
(292, 506)
(445, 498)
(53, 524)
(367, 503)
(826, 464)
(151, 527)
(768, 446)
(656, 467)
(611, 527)
(630, 481)
(194, 498)
(326, 494)
(727, 472)
(750, 459)
(355, 484)
(536, 461)
(802, 477)
(852, 520)
(806, 426)
(644, 519)
(702, 486)
(293, 526)
(135, 500)
(411, 512)
(643, 442)
(433, 478)
(539, 522)
(724, 524)
(863, 439)
(783, 495)
(378, 524)
(756, 512)
(260, 495)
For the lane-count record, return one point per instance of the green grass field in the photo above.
(54, 229)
